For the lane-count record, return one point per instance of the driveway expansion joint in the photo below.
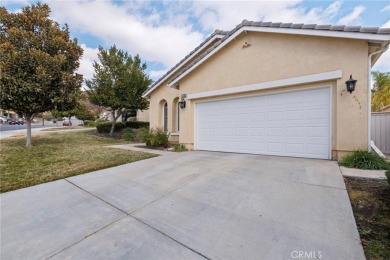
(166, 194)
(129, 215)
(121, 210)
(159, 231)
(87, 236)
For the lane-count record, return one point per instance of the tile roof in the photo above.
(216, 32)
(227, 34)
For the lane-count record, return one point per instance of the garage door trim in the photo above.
(326, 86)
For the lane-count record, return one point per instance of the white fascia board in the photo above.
(270, 84)
(217, 36)
(311, 32)
(323, 33)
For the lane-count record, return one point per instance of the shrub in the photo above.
(89, 123)
(128, 134)
(365, 160)
(179, 148)
(101, 120)
(154, 137)
(388, 176)
(145, 136)
(136, 124)
(106, 127)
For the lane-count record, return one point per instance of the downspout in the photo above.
(369, 94)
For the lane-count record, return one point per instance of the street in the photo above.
(5, 127)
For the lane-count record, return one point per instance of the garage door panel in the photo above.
(295, 131)
(257, 147)
(257, 131)
(290, 124)
(275, 116)
(316, 149)
(294, 148)
(275, 147)
(292, 115)
(274, 131)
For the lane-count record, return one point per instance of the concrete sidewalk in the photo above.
(136, 147)
(192, 205)
(23, 132)
(365, 174)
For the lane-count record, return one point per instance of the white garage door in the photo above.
(287, 124)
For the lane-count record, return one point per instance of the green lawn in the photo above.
(58, 155)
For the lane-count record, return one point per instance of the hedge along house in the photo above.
(274, 89)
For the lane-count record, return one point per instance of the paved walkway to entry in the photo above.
(364, 174)
(192, 205)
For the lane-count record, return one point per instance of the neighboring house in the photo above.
(7, 113)
(143, 115)
(272, 88)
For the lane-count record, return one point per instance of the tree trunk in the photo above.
(28, 123)
(113, 123)
(70, 122)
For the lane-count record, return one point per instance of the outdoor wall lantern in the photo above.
(182, 103)
(351, 83)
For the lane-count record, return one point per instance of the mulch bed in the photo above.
(153, 148)
(370, 200)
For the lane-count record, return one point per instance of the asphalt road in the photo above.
(4, 127)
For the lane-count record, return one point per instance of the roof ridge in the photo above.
(294, 26)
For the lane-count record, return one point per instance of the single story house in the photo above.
(273, 89)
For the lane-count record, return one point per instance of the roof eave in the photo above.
(165, 77)
(310, 32)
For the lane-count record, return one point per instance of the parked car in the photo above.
(16, 121)
(67, 123)
(3, 119)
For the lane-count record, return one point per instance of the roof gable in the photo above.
(338, 31)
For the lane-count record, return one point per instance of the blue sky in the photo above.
(163, 32)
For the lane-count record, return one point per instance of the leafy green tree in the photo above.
(38, 61)
(83, 113)
(381, 92)
(118, 82)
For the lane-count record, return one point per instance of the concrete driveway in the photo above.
(192, 205)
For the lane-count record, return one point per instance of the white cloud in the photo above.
(227, 14)
(353, 17)
(386, 25)
(386, 8)
(383, 64)
(89, 56)
(156, 74)
(114, 25)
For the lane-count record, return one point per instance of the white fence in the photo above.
(380, 130)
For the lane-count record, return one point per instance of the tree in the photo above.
(38, 61)
(118, 82)
(381, 92)
(83, 113)
(80, 111)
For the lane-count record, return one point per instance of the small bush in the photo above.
(365, 160)
(136, 124)
(106, 127)
(101, 120)
(145, 136)
(128, 134)
(89, 123)
(154, 137)
(179, 148)
(388, 176)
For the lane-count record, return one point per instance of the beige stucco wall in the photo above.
(273, 57)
